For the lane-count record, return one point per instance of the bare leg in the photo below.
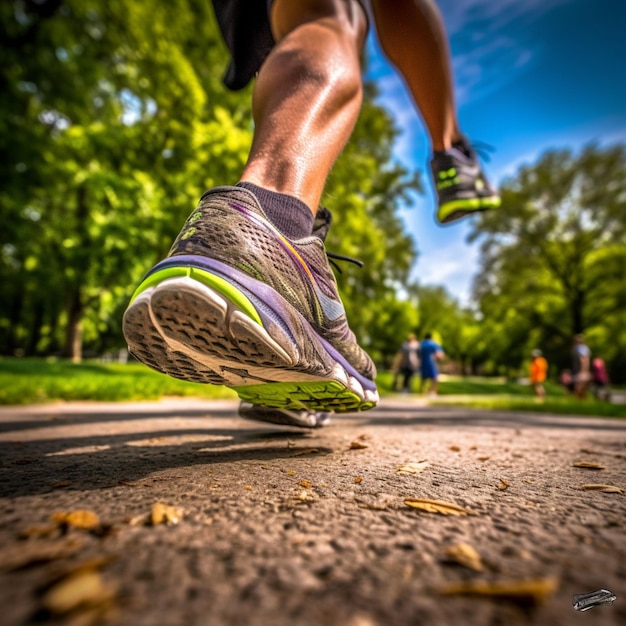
(307, 96)
(413, 36)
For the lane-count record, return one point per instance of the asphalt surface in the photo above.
(276, 527)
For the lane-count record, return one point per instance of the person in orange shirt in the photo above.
(538, 373)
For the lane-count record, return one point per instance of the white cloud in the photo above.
(461, 15)
(445, 258)
(485, 68)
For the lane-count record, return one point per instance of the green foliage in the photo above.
(114, 121)
(554, 259)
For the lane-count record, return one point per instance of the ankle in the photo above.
(291, 216)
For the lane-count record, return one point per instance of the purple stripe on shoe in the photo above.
(262, 296)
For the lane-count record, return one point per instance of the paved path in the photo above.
(283, 527)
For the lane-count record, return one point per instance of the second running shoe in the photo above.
(462, 187)
(236, 303)
(284, 417)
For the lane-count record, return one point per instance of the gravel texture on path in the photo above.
(273, 527)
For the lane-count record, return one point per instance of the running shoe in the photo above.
(462, 188)
(284, 417)
(238, 304)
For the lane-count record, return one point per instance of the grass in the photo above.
(29, 381)
(500, 394)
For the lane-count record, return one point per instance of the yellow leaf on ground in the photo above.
(79, 518)
(435, 506)
(25, 554)
(164, 514)
(531, 591)
(464, 554)
(413, 468)
(40, 531)
(604, 488)
(358, 445)
(306, 484)
(83, 589)
(588, 465)
(358, 479)
(305, 451)
(503, 484)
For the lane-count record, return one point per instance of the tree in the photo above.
(553, 258)
(113, 116)
(114, 120)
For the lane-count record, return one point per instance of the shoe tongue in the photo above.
(464, 147)
(321, 225)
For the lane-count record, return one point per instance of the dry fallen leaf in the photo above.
(306, 484)
(482, 458)
(127, 483)
(139, 520)
(306, 496)
(604, 488)
(79, 518)
(588, 465)
(291, 472)
(435, 506)
(358, 479)
(358, 445)
(81, 590)
(26, 554)
(305, 451)
(466, 555)
(413, 468)
(503, 484)
(248, 487)
(532, 591)
(39, 531)
(164, 514)
(455, 448)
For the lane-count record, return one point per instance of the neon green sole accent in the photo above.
(206, 278)
(469, 204)
(312, 396)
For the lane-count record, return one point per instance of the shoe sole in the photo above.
(195, 325)
(282, 417)
(455, 210)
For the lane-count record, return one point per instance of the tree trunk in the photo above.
(577, 304)
(34, 335)
(74, 330)
(17, 304)
(76, 304)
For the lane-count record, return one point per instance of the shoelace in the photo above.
(332, 257)
(481, 148)
(323, 220)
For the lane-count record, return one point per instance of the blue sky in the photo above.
(529, 75)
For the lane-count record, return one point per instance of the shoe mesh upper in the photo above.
(230, 226)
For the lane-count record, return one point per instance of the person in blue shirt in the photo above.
(431, 352)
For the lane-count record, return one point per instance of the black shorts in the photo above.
(245, 27)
